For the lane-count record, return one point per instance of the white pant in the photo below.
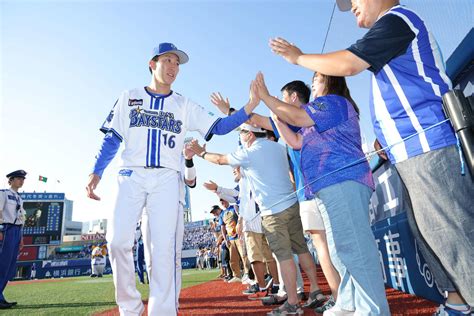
(157, 190)
(179, 247)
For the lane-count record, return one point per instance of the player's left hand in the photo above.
(222, 105)
(92, 185)
(287, 50)
(22, 243)
(188, 153)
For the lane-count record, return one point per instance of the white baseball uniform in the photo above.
(152, 128)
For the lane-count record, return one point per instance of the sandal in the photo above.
(313, 300)
(273, 300)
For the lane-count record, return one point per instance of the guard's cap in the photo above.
(344, 5)
(17, 174)
(164, 48)
(215, 208)
(248, 127)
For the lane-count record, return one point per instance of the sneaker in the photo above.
(329, 304)
(301, 296)
(315, 299)
(273, 300)
(337, 311)
(268, 281)
(444, 310)
(227, 278)
(235, 280)
(246, 279)
(287, 309)
(260, 295)
(252, 289)
(274, 290)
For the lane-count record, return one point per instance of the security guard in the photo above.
(12, 218)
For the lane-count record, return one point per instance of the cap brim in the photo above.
(344, 5)
(183, 57)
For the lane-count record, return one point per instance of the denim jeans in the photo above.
(345, 211)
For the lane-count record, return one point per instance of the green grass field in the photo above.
(79, 295)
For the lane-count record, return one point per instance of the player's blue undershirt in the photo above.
(111, 142)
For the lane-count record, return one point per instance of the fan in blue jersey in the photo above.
(407, 85)
(152, 122)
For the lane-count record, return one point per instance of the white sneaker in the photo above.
(234, 280)
(337, 311)
(246, 280)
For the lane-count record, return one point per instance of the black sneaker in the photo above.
(274, 290)
(252, 289)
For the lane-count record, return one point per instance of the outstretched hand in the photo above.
(196, 148)
(285, 49)
(220, 103)
(211, 185)
(261, 87)
(92, 185)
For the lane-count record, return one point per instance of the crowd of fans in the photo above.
(198, 238)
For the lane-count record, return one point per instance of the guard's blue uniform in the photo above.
(12, 217)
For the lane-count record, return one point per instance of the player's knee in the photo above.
(119, 245)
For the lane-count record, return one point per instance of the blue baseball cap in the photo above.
(164, 48)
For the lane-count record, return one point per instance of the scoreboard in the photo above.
(44, 218)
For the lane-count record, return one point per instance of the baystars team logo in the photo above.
(161, 120)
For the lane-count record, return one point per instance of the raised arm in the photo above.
(220, 103)
(340, 63)
(288, 113)
(292, 139)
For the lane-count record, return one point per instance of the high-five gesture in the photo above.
(261, 87)
(188, 153)
(220, 103)
(285, 49)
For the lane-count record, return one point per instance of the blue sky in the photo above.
(63, 64)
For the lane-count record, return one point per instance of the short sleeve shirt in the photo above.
(332, 145)
(407, 86)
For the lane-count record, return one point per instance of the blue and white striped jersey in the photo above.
(407, 85)
(154, 127)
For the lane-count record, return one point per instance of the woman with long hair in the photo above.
(338, 177)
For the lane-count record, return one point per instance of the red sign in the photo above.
(28, 253)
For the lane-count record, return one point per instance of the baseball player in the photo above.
(152, 122)
(12, 218)
(97, 262)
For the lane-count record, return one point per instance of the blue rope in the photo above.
(366, 158)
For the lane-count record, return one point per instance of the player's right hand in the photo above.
(92, 185)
